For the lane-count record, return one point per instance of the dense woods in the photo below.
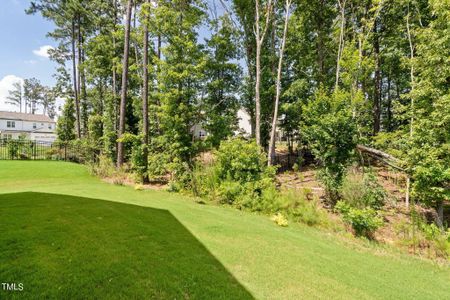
(137, 76)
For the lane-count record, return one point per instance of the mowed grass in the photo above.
(67, 235)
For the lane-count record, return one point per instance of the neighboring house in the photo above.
(244, 127)
(199, 132)
(31, 126)
(244, 124)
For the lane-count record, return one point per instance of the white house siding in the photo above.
(44, 137)
(39, 127)
(244, 124)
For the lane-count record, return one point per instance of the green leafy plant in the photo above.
(330, 130)
(363, 190)
(280, 220)
(363, 221)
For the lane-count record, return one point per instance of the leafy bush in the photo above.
(420, 235)
(13, 148)
(363, 190)
(297, 205)
(103, 168)
(280, 220)
(82, 151)
(242, 161)
(157, 165)
(229, 191)
(330, 130)
(363, 221)
(239, 176)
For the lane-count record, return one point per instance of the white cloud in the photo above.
(30, 62)
(6, 84)
(43, 51)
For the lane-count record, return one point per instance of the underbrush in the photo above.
(105, 168)
(423, 238)
(239, 176)
(362, 199)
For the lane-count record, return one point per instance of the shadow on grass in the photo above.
(69, 247)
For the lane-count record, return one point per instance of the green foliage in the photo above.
(157, 165)
(229, 191)
(330, 131)
(239, 176)
(65, 128)
(83, 151)
(428, 157)
(280, 220)
(242, 161)
(95, 128)
(136, 155)
(104, 167)
(13, 148)
(297, 205)
(223, 77)
(363, 221)
(363, 190)
(424, 238)
(179, 79)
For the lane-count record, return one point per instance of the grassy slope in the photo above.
(268, 261)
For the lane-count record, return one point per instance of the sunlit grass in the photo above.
(247, 252)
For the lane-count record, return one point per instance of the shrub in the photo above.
(280, 220)
(363, 190)
(229, 191)
(363, 221)
(83, 151)
(241, 161)
(13, 148)
(420, 235)
(138, 187)
(103, 168)
(297, 205)
(330, 130)
(52, 154)
(239, 176)
(157, 165)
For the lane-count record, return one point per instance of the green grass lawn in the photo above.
(61, 239)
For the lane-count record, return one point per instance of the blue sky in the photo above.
(23, 43)
(20, 34)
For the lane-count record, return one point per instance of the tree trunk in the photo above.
(145, 102)
(271, 152)
(440, 214)
(114, 74)
(377, 82)
(389, 104)
(123, 96)
(257, 82)
(411, 49)
(75, 85)
(80, 96)
(320, 46)
(341, 42)
(84, 104)
(259, 40)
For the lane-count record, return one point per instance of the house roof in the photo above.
(25, 117)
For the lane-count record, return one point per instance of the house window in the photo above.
(49, 126)
(10, 124)
(34, 126)
(201, 133)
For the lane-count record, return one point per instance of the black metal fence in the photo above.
(21, 149)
